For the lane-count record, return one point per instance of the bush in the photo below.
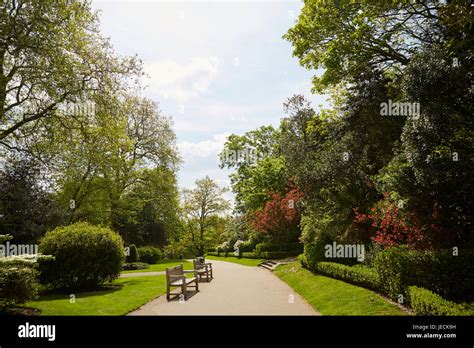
(295, 248)
(437, 271)
(133, 254)
(358, 275)
(277, 254)
(212, 253)
(17, 285)
(85, 256)
(149, 254)
(425, 302)
(247, 246)
(135, 265)
(250, 255)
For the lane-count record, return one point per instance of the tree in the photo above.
(346, 37)
(259, 167)
(27, 207)
(279, 220)
(51, 54)
(201, 206)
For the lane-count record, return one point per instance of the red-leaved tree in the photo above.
(279, 220)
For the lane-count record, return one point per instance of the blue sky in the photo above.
(216, 67)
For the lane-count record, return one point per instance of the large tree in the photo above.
(51, 54)
(201, 206)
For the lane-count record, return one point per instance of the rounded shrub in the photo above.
(85, 256)
(17, 285)
(149, 254)
(133, 254)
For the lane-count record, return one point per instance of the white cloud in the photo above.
(182, 82)
(202, 149)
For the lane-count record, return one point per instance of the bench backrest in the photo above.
(198, 263)
(174, 272)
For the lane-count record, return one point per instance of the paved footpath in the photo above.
(235, 290)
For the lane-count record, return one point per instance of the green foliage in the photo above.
(288, 247)
(277, 254)
(17, 285)
(135, 266)
(149, 254)
(27, 206)
(358, 275)
(250, 255)
(425, 302)
(85, 256)
(437, 271)
(259, 168)
(133, 254)
(202, 210)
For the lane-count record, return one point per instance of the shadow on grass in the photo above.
(55, 294)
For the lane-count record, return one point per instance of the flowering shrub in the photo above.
(389, 226)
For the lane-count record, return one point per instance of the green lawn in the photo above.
(334, 297)
(162, 265)
(242, 261)
(123, 296)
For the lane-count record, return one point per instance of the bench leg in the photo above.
(167, 293)
(184, 291)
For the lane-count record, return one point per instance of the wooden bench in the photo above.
(203, 268)
(175, 277)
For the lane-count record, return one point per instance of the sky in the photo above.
(216, 67)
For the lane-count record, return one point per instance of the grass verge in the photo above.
(120, 297)
(334, 297)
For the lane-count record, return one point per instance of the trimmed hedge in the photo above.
(135, 265)
(249, 255)
(149, 254)
(247, 246)
(85, 256)
(276, 254)
(425, 302)
(438, 271)
(295, 248)
(213, 253)
(358, 275)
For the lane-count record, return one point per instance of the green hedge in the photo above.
(295, 248)
(425, 302)
(149, 254)
(213, 253)
(358, 275)
(250, 255)
(85, 256)
(452, 277)
(276, 254)
(135, 265)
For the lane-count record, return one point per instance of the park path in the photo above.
(235, 290)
